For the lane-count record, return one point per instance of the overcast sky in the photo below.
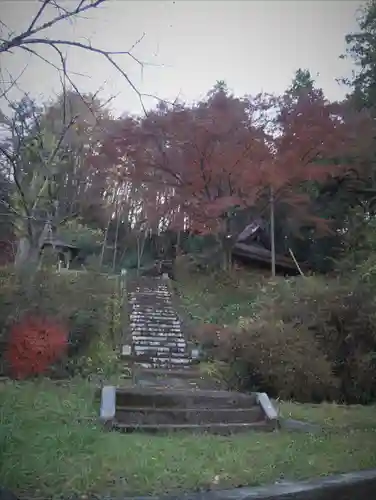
(253, 45)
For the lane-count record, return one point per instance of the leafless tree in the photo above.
(35, 37)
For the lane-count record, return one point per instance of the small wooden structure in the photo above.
(253, 247)
(66, 252)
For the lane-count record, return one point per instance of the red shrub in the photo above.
(35, 343)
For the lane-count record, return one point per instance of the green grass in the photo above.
(46, 450)
(219, 298)
(332, 416)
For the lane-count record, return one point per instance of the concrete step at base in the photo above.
(197, 416)
(183, 398)
(220, 429)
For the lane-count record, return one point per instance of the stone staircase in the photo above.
(156, 333)
(169, 392)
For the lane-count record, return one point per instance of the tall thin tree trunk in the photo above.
(116, 239)
(272, 231)
(178, 240)
(104, 242)
(140, 251)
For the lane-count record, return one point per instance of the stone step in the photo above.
(166, 358)
(153, 314)
(218, 428)
(134, 415)
(157, 335)
(151, 342)
(161, 294)
(154, 325)
(166, 308)
(155, 351)
(154, 366)
(150, 300)
(160, 347)
(157, 317)
(134, 396)
(160, 361)
(154, 304)
(155, 331)
(150, 318)
(154, 322)
(150, 348)
(164, 355)
(155, 310)
(138, 313)
(175, 373)
(158, 332)
(155, 362)
(147, 361)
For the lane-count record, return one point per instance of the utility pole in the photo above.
(272, 236)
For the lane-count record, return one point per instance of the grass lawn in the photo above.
(47, 451)
(218, 298)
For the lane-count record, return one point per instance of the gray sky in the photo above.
(253, 45)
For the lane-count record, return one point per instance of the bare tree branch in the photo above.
(30, 38)
(39, 13)
(12, 81)
(32, 30)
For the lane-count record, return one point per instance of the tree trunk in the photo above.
(104, 243)
(272, 232)
(226, 250)
(116, 240)
(27, 255)
(140, 250)
(29, 250)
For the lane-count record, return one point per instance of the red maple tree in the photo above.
(224, 152)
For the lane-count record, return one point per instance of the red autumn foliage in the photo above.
(203, 160)
(35, 343)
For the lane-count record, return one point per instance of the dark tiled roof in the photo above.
(263, 255)
(57, 242)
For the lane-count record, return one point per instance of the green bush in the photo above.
(308, 339)
(273, 357)
(87, 303)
